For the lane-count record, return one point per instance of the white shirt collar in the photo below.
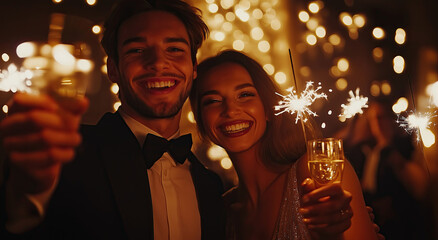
(140, 131)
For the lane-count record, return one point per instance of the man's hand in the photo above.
(39, 135)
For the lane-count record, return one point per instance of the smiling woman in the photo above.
(233, 101)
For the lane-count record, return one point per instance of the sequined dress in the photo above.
(290, 225)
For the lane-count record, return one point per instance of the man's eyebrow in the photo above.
(176, 39)
(241, 86)
(166, 40)
(133, 39)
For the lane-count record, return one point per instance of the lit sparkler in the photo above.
(354, 106)
(14, 80)
(299, 105)
(417, 123)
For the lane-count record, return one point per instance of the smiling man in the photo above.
(120, 185)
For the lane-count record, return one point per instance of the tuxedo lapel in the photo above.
(208, 188)
(123, 160)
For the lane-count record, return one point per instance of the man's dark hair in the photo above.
(125, 9)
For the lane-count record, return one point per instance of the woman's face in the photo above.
(231, 109)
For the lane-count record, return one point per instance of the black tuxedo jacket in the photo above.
(104, 193)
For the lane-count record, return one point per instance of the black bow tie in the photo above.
(154, 147)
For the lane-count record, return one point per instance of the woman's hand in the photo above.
(39, 135)
(326, 210)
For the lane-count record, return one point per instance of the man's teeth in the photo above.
(160, 84)
(236, 127)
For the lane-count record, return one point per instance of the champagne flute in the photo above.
(326, 160)
(60, 70)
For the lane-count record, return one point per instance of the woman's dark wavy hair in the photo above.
(283, 140)
(189, 15)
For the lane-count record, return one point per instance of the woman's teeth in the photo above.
(236, 127)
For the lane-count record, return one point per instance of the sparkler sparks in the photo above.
(354, 106)
(418, 123)
(293, 103)
(14, 80)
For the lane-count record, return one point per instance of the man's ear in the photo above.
(195, 69)
(113, 71)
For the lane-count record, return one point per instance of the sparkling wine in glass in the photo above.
(326, 160)
(60, 70)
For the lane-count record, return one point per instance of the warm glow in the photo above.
(115, 88)
(257, 33)
(305, 71)
(432, 91)
(26, 49)
(238, 45)
(216, 152)
(5, 108)
(96, 29)
(226, 163)
(378, 54)
(117, 105)
(191, 117)
(400, 106)
(56, 1)
(244, 4)
(213, 8)
(341, 84)
(343, 64)
(427, 136)
(84, 65)
(398, 64)
(91, 2)
(226, 4)
(227, 26)
(242, 15)
(312, 24)
(303, 16)
(276, 24)
(400, 36)
(320, 32)
(328, 48)
(359, 20)
(264, 46)
(230, 16)
(311, 39)
(346, 19)
(378, 33)
(218, 36)
(314, 7)
(269, 68)
(335, 39)
(104, 69)
(280, 77)
(257, 13)
(386, 88)
(335, 72)
(375, 89)
(5, 57)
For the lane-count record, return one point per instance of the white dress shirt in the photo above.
(175, 206)
(174, 202)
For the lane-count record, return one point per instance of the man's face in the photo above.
(155, 69)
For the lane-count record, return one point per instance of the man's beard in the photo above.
(162, 110)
